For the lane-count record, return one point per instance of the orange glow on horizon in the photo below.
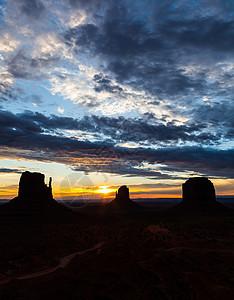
(152, 196)
(104, 190)
(9, 191)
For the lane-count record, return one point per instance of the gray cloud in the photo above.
(119, 129)
(179, 56)
(9, 93)
(151, 56)
(31, 8)
(21, 132)
(103, 83)
(9, 171)
(155, 55)
(24, 67)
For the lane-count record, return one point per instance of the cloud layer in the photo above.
(36, 136)
(136, 88)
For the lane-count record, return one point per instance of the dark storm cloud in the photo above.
(31, 8)
(8, 93)
(164, 8)
(22, 132)
(198, 156)
(22, 66)
(81, 3)
(135, 57)
(207, 161)
(207, 33)
(88, 5)
(175, 51)
(9, 171)
(219, 115)
(13, 123)
(139, 130)
(129, 169)
(150, 53)
(118, 129)
(114, 39)
(103, 83)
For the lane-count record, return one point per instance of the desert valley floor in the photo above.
(145, 254)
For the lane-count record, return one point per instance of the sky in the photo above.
(101, 93)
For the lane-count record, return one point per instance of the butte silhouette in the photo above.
(34, 197)
(122, 200)
(198, 196)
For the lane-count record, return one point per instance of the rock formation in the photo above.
(198, 190)
(34, 197)
(122, 196)
(122, 200)
(32, 186)
(199, 195)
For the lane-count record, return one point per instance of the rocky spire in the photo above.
(32, 185)
(122, 199)
(122, 195)
(34, 198)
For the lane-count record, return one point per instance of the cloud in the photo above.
(177, 57)
(28, 134)
(172, 54)
(99, 95)
(139, 130)
(49, 45)
(168, 74)
(32, 8)
(88, 5)
(8, 43)
(60, 110)
(9, 171)
(103, 83)
(156, 76)
(8, 91)
(120, 129)
(24, 67)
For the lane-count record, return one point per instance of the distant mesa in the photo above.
(199, 195)
(32, 186)
(34, 197)
(198, 190)
(122, 196)
(122, 200)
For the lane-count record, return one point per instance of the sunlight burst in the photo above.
(104, 190)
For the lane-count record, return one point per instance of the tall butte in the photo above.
(34, 197)
(32, 186)
(198, 190)
(122, 200)
(199, 195)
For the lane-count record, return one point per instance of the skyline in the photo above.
(109, 93)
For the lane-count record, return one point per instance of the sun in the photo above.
(104, 190)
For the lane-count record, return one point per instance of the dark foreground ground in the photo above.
(146, 254)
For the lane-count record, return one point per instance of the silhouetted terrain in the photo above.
(103, 253)
(122, 200)
(199, 196)
(34, 198)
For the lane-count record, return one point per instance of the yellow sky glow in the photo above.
(104, 190)
(9, 191)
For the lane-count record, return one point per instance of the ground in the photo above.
(145, 254)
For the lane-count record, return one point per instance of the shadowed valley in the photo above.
(120, 250)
